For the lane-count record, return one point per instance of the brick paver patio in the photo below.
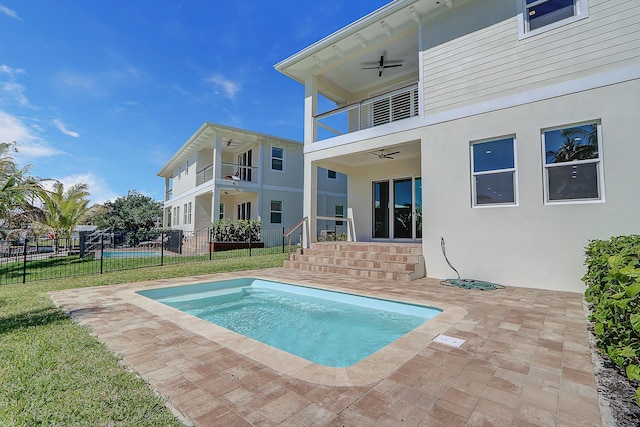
(525, 361)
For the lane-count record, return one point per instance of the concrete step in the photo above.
(402, 262)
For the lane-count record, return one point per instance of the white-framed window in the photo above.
(573, 169)
(332, 174)
(187, 213)
(536, 16)
(176, 215)
(277, 159)
(221, 211)
(244, 210)
(276, 212)
(493, 172)
(339, 212)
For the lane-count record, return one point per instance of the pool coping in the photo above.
(369, 370)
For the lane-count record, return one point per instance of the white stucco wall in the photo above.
(532, 244)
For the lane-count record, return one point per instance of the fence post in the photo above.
(24, 261)
(283, 239)
(161, 248)
(210, 244)
(249, 242)
(101, 252)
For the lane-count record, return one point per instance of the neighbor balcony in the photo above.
(389, 107)
(230, 171)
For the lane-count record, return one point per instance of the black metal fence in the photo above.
(101, 252)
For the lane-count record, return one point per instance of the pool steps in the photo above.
(392, 261)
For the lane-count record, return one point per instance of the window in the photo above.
(493, 171)
(221, 210)
(542, 15)
(244, 210)
(176, 215)
(340, 214)
(277, 158)
(572, 163)
(276, 212)
(331, 174)
(187, 213)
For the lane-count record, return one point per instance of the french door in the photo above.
(397, 209)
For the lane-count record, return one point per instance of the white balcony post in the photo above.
(309, 206)
(310, 109)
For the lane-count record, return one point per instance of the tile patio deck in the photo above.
(525, 361)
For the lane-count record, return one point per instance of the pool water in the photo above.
(328, 328)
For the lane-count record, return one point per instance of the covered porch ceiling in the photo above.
(373, 157)
(338, 60)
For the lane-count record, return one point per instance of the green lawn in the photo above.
(54, 372)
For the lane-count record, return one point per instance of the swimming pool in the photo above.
(328, 328)
(129, 254)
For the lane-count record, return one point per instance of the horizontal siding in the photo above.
(491, 62)
(186, 180)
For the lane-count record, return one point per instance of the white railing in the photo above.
(386, 108)
(235, 172)
(204, 175)
(230, 171)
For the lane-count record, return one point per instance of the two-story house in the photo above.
(226, 172)
(505, 127)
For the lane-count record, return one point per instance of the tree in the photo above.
(64, 209)
(135, 214)
(19, 193)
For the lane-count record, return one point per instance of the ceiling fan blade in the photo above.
(393, 66)
(369, 68)
(380, 72)
(381, 60)
(391, 154)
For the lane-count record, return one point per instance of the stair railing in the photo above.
(302, 223)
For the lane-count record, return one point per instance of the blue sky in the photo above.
(104, 93)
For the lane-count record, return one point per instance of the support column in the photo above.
(310, 109)
(310, 205)
(216, 174)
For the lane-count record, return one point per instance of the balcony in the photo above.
(231, 171)
(386, 108)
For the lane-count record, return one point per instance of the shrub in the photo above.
(613, 290)
(225, 230)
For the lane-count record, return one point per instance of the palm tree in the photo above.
(19, 193)
(64, 209)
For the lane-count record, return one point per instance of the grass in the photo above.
(54, 372)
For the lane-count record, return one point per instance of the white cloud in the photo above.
(62, 128)
(229, 87)
(10, 89)
(9, 12)
(29, 145)
(98, 187)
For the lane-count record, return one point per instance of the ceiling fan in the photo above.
(382, 155)
(381, 65)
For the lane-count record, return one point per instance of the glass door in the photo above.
(381, 209)
(397, 209)
(402, 209)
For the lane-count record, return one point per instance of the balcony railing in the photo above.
(235, 172)
(230, 171)
(386, 108)
(167, 195)
(204, 175)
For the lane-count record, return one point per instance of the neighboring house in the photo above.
(225, 172)
(508, 127)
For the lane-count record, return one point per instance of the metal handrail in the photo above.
(351, 236)
(288, 233)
